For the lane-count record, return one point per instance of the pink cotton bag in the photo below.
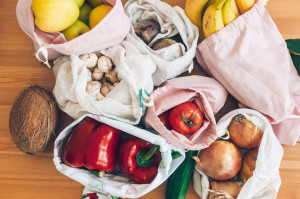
(209, 96)
(110, 31)
(250, 59)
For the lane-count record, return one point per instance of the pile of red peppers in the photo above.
(98, 147)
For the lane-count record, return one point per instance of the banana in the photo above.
(209, 3)
(235, 8)
(212, 19)
(228, 12)
(193, 10)
(244, 5)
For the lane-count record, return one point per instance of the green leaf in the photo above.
(293, 45)
(175, 154)
(296, 61)
(184, 118)
(152, 131)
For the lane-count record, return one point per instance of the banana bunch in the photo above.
(211, 16)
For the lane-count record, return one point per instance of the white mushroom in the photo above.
(103, 80)
(106, 88)
(90, 59)
(99, 54)
(119, 78)
(112, 76)
(97, 74)
(93, 88)
(104, 64)
(89, 76)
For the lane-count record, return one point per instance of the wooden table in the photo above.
(23, 176)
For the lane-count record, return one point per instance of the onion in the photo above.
(249, 164)
(244, 133)
(221, 160)
(229, 187)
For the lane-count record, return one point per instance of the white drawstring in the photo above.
(149, 102)
(44, 51)
(191, 66)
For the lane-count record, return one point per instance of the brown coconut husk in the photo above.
(33, 119)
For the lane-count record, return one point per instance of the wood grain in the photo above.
(23, 176)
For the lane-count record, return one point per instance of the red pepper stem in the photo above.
(150, 153)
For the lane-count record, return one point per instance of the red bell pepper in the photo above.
(139, 159)
(93, 145)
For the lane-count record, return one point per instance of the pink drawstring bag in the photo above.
(110, 31)
(250, 59)
(209, 96)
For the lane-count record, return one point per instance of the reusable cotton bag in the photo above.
(117, 184)
(250, 59)
(172, 60)
(265, 182)
(110, 31)
(208, 95)
(124, 102)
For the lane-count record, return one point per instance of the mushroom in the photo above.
(164, 43)
(90, 59)
(97, 74)
(104, 64)
(119, 78)
(103, 80)
(93, 88)
(112, 76)
(146, 29)
(106, 88)
(89, 76)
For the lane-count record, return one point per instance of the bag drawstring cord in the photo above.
(145, 100)
(44, 51)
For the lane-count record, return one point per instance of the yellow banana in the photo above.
(212, 19)
(209, 3)
(193, 10)
(228, 12)
(235, 8)
(244, 5)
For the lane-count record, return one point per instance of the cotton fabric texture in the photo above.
(250, 59)
(208, 95)
(265, 182)
(110, 31)
(175, 59)
(123, 102)
(118, 184)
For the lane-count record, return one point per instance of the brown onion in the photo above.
(221, 160)
(229, 187)
(244, 133)
(249, 164)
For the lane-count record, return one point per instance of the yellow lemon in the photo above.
(98, 13)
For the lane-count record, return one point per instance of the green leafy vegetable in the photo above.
(294, 47)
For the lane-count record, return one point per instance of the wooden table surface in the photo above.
(23, 176)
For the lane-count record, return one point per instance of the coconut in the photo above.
(33, 119)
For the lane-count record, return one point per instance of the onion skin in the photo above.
(221, 160)
(244, 133)
(230, 187)
(249, 164)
